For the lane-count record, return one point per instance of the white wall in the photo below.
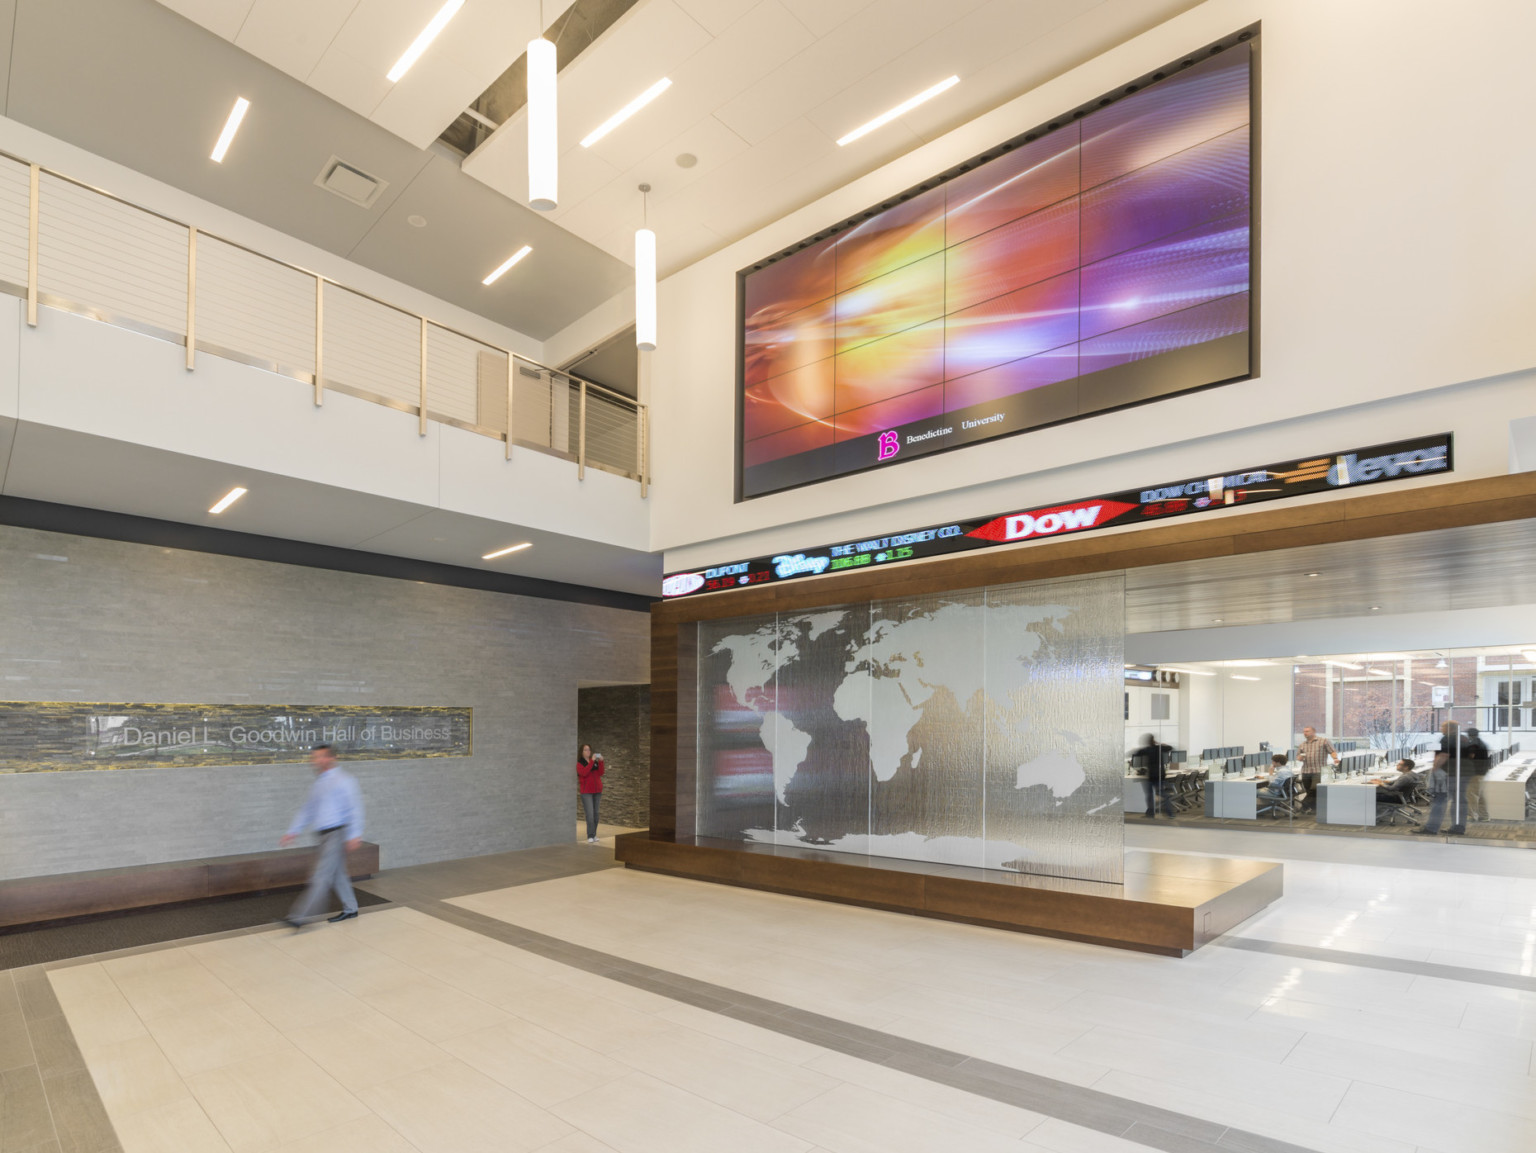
(1223, 712)
(1395, 285)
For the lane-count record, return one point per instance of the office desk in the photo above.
(1346, 804)
(1232, 797)
(1505, 786)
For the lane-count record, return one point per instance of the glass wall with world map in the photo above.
(977, 728)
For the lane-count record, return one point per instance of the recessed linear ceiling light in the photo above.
(508, 549)
(507, 263)
(1314, 574)
(1240, 677)
(1379, 673)
(901, 109)
(424, 39)
(1177, 669)
(231, 126)
(626, 112)
(228, 499)
(1344, 665)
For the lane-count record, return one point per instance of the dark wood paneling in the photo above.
(1170, 905)
(34, 900)
(664, 688)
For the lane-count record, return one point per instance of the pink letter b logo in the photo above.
(890, 444)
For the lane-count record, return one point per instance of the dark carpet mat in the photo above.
(83, 936)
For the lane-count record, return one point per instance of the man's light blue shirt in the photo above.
(334, 800)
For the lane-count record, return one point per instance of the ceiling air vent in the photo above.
(351, 184)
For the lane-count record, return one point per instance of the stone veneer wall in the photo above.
(99, 620)
(616, 721)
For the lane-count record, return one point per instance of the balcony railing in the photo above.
(72, 247)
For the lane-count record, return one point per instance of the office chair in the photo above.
(1279, 801)
(1395, 803)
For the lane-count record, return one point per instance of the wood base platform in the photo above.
(1170, 903)
(35, 900)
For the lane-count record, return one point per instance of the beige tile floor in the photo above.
(1333, 1057)
(401, 1031)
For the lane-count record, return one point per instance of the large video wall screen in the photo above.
(1103, 264)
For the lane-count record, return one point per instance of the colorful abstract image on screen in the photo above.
(1103, 264)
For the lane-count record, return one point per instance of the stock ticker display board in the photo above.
(1323, 472)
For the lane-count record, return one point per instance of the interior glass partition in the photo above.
(1440, 742)
(974, 728)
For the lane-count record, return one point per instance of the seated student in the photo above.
(1401, 786)
(1280, 771)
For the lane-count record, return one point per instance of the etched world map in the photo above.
(942, 730)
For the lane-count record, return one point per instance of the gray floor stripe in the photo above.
(1121, 1117)
(1377, 961)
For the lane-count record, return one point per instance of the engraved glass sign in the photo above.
(976, 728)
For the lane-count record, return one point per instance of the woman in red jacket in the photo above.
(589, 783)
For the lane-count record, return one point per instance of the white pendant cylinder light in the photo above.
(645, 286)
(543, 142)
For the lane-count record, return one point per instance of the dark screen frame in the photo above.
(1248, 35)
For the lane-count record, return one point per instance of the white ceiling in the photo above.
(41, 462)
(136, 83)
(345, 48)
(761, 91)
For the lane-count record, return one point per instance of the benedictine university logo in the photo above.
(890, 444)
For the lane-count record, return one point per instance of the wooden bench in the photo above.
(35, 900)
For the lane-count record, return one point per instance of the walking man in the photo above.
(1156, 759)
(334, 809)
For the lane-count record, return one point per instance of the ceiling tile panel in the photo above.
(756, 44)
(138, 84)
(639, 50)
(469, 230)
(221, 17)
(715, 16)
(831, 64)
(711, 144)
(352, 83)
(651, 42)
(477, 46)
(378, 31)
(821, 16)
(293, 34)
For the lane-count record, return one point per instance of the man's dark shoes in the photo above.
(293, 924)
(343, 916)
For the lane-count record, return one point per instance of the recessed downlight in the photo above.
(424, 39)
(231, 126)
(901, 109)
(626, 112)
(228, 499)
(509, 549)
(1314, 574)
(507, 263)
